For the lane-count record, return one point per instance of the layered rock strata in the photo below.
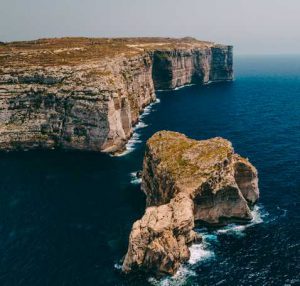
(186, 180)
(87, 94)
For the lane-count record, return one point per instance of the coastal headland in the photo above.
(88, 93)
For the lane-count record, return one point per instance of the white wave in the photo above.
(183, 86)
(134, 179)
(204, 251)
(233, 229)
(258, 214)
(140, 125)
(118, 266)
(199, 252)
(176, 88)
(148, 108)
(130, 146)
(178, 279)
(135, 138)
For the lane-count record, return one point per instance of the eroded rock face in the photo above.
(208, 182)
(159, 241)
(86, 94)
(246, 178)
(86, 107)
(175, 68)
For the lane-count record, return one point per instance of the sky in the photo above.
(252, 26)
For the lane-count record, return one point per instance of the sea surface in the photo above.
(65, 217)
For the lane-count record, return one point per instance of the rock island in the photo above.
(187, 181)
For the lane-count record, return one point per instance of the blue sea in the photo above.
(65, 217)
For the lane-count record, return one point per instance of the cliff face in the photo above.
(208, 181)
(87, 107)
(176, 68)
(159, 241)
(221, 64)
(87, 94)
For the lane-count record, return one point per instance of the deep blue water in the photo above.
(65, 217)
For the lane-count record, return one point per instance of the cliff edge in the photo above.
(87, 93)
(186, 180)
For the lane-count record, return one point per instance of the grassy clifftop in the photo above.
(73, 51)
(189, 159)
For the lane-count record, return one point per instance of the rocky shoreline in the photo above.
(187, 181)
(87, 93)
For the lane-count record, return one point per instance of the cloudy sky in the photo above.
(252, 26)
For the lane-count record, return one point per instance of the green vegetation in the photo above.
(188, 159)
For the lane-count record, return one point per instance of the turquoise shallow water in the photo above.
(65, 217)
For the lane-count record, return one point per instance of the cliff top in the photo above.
(189, 160)
(73, 51)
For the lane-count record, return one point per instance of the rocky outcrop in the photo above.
(159, 241)
(87, 94)
(208, 182)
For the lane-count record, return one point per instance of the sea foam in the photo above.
(199, 253)
(135, 138)
(203, 252)
(135, 179)
(183, 86)
(258, 214)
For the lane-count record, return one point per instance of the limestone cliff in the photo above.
(80, 93)
(187, 180)
(178, 67)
